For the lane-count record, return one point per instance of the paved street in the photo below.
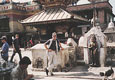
(76, 73)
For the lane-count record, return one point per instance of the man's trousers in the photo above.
(52, 60)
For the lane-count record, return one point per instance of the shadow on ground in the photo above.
(79, 72)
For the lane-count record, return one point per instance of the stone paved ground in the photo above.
(76, 73)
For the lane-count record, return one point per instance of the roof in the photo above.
(51, 14)
(110, 28)
(99, 5)
(111, 24)
(95, 30)
(100, 37)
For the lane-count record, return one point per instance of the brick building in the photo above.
(103, 11)
(10, 16)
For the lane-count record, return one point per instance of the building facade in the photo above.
(11, 15)
(55, 18)
(103, 11)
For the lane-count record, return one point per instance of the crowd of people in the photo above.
(20, 71)
(53, 47)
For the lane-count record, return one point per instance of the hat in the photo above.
(3, 38)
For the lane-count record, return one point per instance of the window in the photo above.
(4, 25)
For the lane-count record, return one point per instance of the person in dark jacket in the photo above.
(16, 48)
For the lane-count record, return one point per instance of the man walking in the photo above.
(5, 48)
(16, 47)
(53, 48)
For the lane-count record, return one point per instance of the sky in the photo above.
(112, 2)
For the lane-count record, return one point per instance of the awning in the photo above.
(52, 15)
